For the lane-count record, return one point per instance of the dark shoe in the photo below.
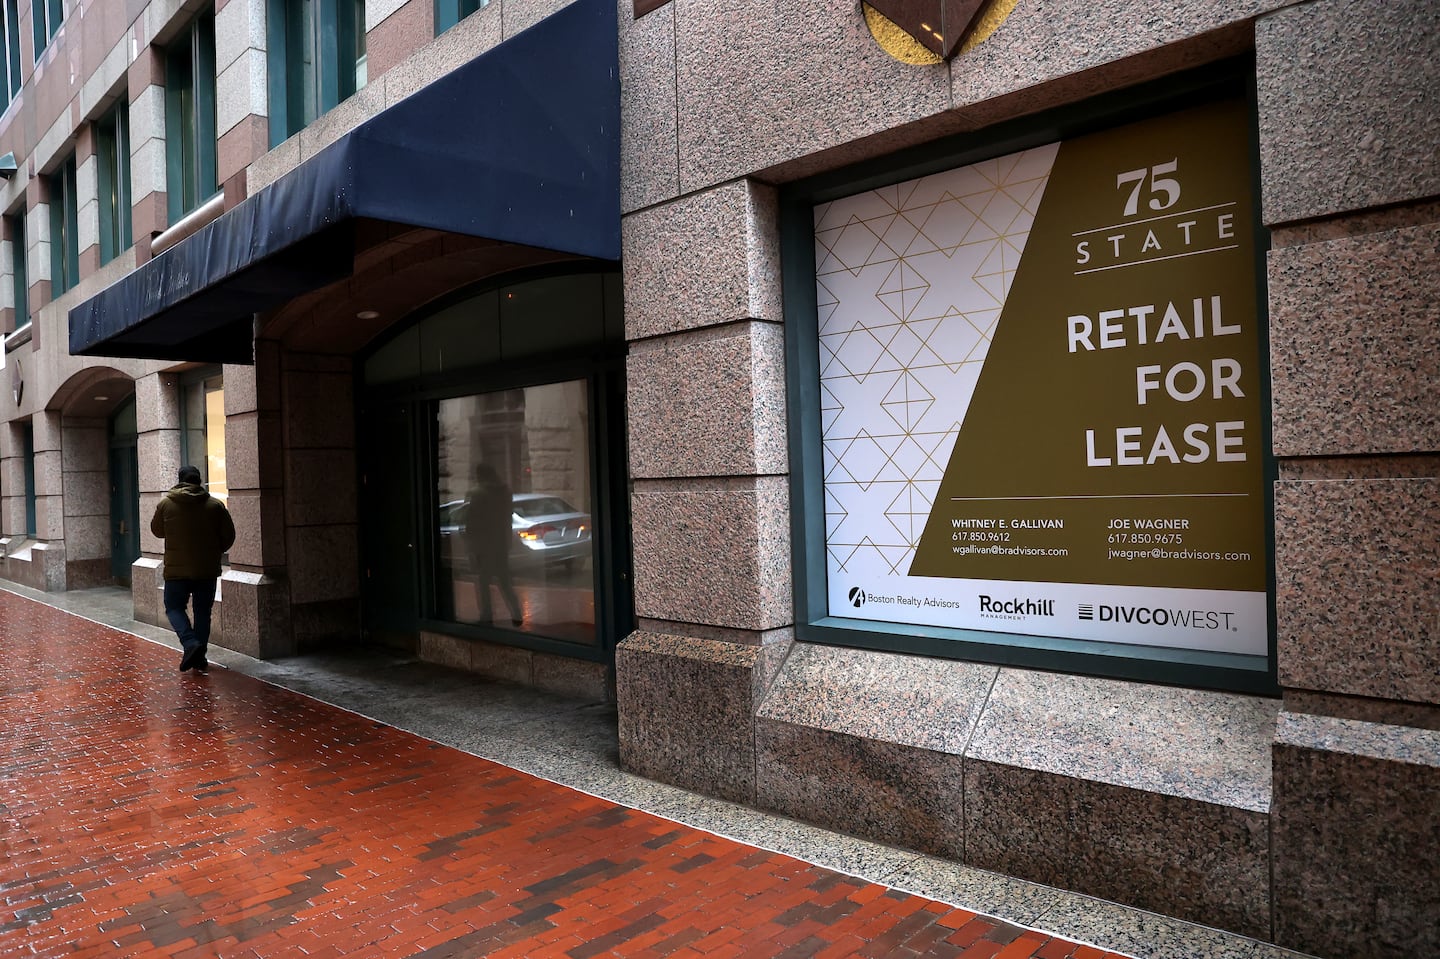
(202, 664)
(191, 658)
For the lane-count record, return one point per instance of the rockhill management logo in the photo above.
(1015, 607)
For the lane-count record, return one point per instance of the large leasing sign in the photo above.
(1041, 392)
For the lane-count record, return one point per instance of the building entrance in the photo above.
(493, 503)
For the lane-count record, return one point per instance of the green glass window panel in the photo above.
(316, 60)
(515, 523)
(396, 361)
(64, 229)
(12, 48)
(557, 313)
(450, 12)
(113, 149)
(46, 17)
(19, 273)
(460, 336)
(614, 307)
(190, 118)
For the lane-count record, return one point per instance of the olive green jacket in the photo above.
(197, 530)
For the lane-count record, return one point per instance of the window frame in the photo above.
(14, 81)
(19, 269)
(64, 228)
(332, 76)
(46, 16)
(813, 622)
(207, 380)
(450, 12)
(600, 364)
(190, 118)
(112, 149)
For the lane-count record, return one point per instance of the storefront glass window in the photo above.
(202, 414)
(514, 520)
(1041, 417)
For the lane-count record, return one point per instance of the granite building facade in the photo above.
(350, 256)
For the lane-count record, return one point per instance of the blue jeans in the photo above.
(200, 592)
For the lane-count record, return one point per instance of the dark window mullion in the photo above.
(326, 24)
(125, 235)
(20, 273)
(12, 47)
(105, 187)
(190, 118)
(72, 225)
(205, 123)
(37, 28)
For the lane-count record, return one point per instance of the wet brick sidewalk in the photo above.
(145, 812)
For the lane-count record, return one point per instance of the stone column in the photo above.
(256, 587)
(12, 484)
(157, 423)
(87, 188)
(149, 214)
(319, 508)
(1349, 119)
(241, 108)
(710, 497)
(49, 550)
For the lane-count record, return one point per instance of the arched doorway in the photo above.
(501, 409)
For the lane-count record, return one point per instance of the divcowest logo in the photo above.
(1015, 607)
(1158, 616)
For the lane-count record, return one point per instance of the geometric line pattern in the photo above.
(910, 281)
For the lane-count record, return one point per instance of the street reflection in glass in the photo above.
(514, 525)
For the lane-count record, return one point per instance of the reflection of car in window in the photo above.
(547, 530)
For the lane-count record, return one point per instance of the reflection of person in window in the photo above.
(487, 539)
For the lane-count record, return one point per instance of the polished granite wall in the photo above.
(1349, 195)
(1305, 818)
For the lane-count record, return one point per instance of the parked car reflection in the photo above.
(547, 531)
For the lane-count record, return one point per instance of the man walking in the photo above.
(197, 531)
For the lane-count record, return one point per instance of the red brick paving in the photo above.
(145, 812)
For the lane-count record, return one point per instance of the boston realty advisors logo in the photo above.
(1015, 607)
(856, 596)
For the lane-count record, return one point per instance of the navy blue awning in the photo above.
(519, 145)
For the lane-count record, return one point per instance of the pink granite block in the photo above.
(870, 743)
(1051, 54)
(768, 82)
(1153, 796)
(706, 259)
(717, 553)
(1355, 344)
(685, 712)
(1176, 856)
(1356, 828)
(649, 125)
(1321, 152)
(709, 406)
(1357, 596)
(323, 563)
